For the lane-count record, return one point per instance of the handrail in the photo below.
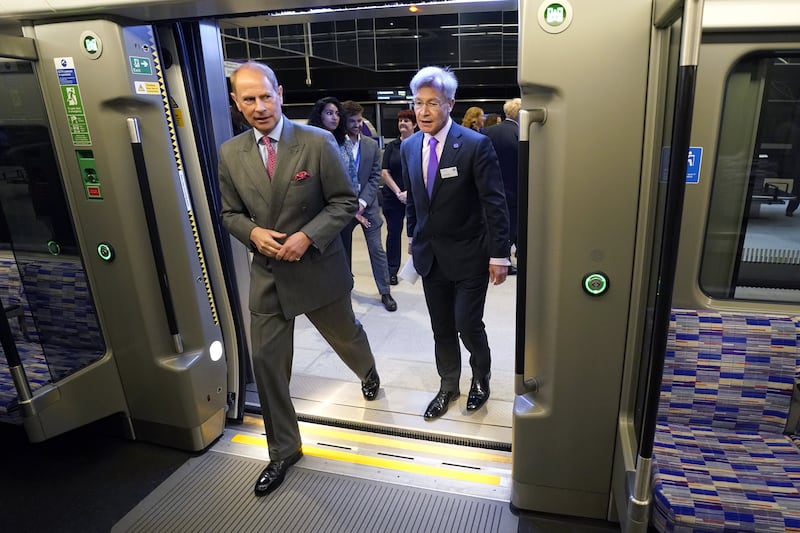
(152, 230)
(691, 33)
(14, 361)
(527, 117)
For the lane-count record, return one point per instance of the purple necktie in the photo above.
(433, 165)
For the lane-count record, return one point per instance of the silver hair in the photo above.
(254, 65)
(439, 78)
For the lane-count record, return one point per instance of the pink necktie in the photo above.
(433, 165)
(270, 156)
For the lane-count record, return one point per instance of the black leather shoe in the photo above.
(512, 270)
(272, 476)
(478, 393)
(439, 404)
(388, 302)
(393, 279)
(370, 385)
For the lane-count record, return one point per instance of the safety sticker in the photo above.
(73, 103)
(147, 87)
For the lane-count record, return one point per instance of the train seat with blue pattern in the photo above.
(64, 336)
(722, 459)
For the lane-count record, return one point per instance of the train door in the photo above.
(100, 88)
(584, 78)
(47, 302)
(598, 155)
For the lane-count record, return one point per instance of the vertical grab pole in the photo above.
(15, 367)
(526, 119)
(152, 230)
(691, 34)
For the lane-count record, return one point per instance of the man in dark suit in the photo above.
(458, 226)
(365, 157)
(505, 139)
(286, 196)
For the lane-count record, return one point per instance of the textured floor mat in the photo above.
(214, 492)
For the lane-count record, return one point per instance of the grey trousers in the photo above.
(377, 255)
(273, 350)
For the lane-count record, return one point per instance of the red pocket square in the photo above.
(301, 175)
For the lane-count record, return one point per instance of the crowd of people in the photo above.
(294, 194)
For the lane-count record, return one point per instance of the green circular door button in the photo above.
(53, 247)
(105, 251)
(595, 283)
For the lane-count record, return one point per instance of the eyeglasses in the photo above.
(433, 105)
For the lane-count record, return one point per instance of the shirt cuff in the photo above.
(362, 202)
(500, 261)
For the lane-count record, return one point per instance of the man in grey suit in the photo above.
(364, 156)
(286, 196)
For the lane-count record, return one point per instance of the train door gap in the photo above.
(398, 459)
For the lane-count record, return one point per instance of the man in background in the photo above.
(366, 157)
(505, 139)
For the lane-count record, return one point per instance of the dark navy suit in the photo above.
(505, 139)
(454, 234)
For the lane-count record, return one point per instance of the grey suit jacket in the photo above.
(369, 171)
(309, 192)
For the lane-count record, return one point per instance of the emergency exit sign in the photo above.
(140, 65)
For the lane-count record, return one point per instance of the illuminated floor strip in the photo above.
(379, 463)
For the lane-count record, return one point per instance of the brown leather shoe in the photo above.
(272, 476)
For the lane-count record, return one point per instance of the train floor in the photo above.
(93, 480)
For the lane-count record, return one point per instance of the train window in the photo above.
(43, 284)
(752, 245)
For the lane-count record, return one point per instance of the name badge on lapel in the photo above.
(449, 172)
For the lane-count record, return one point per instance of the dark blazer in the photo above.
(505, 139)
(309, 192)
(465, 222)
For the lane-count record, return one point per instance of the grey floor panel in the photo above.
(214, 492)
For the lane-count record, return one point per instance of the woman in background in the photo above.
(473, 119)
(492, 119)
(327, 114)
(394, 192)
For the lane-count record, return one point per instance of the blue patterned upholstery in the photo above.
(11, 294)
(721, 459)
(63, 338)
(59, 299)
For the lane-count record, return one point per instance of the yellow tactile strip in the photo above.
(391, 464)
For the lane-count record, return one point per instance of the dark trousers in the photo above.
(456, 309)
(394, 211)
(273, 350)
